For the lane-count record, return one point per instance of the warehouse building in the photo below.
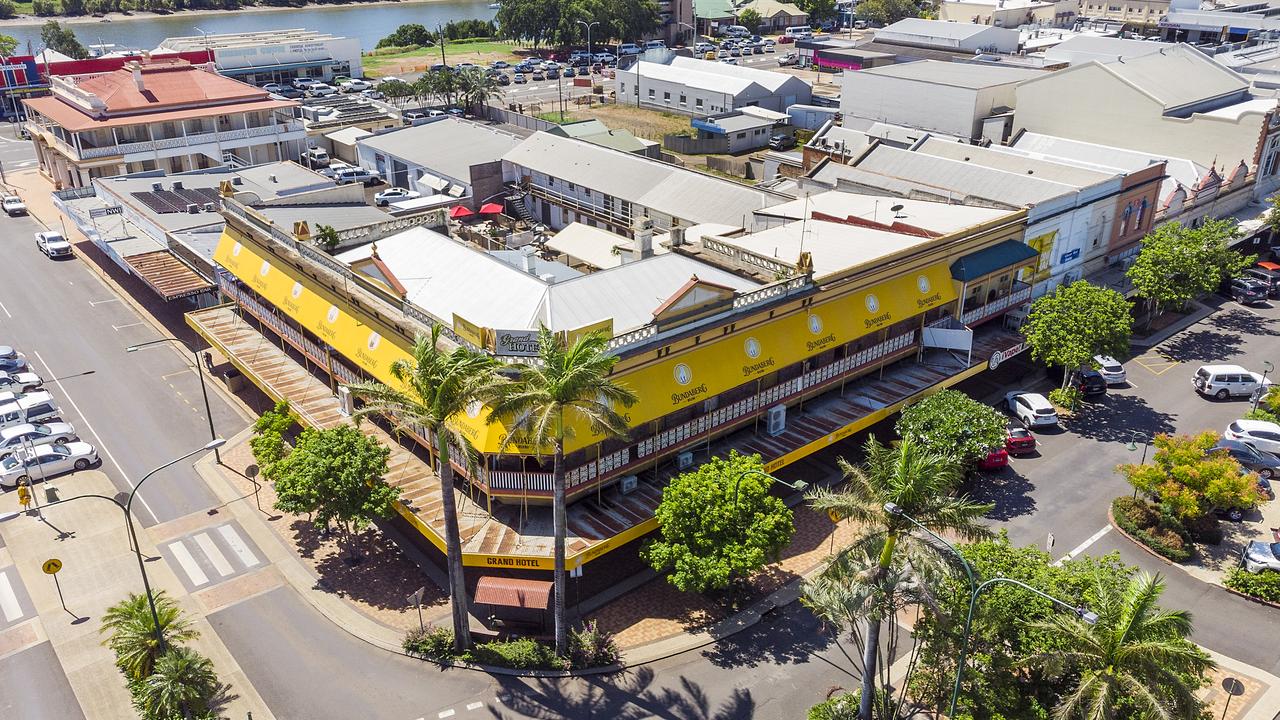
(703, 87)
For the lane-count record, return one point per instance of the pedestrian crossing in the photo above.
(211, 555)
(14, 604)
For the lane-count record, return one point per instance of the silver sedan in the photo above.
(45, 462)
(35, 434)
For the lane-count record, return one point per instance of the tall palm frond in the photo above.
(131, 631)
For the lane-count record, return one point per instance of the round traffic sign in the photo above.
(834, 515)
(51, 566)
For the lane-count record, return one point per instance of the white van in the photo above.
(655, 45)
(29, 408)
(800, 32)
(735, 31)
(1227, 381)
(315, 158)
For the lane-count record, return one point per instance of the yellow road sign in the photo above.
(51, 566)
(834, 515)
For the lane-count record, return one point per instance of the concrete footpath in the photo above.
(89, 536)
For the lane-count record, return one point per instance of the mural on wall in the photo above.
(1039, 270)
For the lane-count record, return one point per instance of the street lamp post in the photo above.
(798, 486)
(976, 590)
(588, 25)
(127, 509)
(204, 391)
(1267, 367)
(1133, 447)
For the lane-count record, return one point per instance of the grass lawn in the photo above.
(480, 53)
(650, 124)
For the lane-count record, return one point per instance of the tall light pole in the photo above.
(204, 391)
(976, 590)
(1133, 447)
(1267, 367)
(588, 25)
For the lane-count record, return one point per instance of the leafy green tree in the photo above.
(706, 538)
(61, 39)
(268, 443)
(476, 88)
(570, 386)
(434, 387)
(749, 18)
(949, 422)
(1075, 322)
(407, 34)
(326, 237)
(886, 11)
(72, 8)
(1177, 263)
(1136, 661)
(182, 686)
(131, 632)
(336, 473)
(7, 10)
(1189, 480)
(820, 10)
(916, 480)
(396, 89)
(8, 45)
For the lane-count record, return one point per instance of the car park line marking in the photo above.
(8, 600)
(447, 713)
(475, 705)
(101, 445)
(1156, 363)
(238, 546)
(1084, 545)
(96, 303)
(6, 311)
(118, 328)
(188, 563)
(215, 556)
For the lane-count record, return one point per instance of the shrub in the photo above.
(44, 8)
(7, 9)
(1162, 539)
(1067, 398)
(520, 654)
(1264, 585)
(592, 647)
(430, 643)
(1205, 529)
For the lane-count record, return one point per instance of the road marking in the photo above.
(238, 546)
(1156, 363)
(118, 328)
(214, 555)
(96, 303)
(1084, 545)
(188, 563)
(1246, 309)
(475, 705)
(101, 445)
(8, 600)
(446, 713)
(173, 374)
(6, 311)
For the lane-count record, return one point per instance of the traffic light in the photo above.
(24, 495)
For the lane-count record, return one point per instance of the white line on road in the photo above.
(118, 328)
(101, 445)
(215, 555)
(447, 713)
(188, 563)
(237, 545)
(475, 705)
(96, 303)
(1084, 545)
(8, 600)
(6, 311)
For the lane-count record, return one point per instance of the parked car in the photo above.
(30, 408)
(570, 72)
(351, 86)
(52, 244)
(1265, 275)
(1246, 291)
(290, 93)
(552, 73)
(19, 381)
(1259, 434)
(372, 94)
(519, 79)
(408, 117)
(702, 47)
(368, 178)
(782, 141)
(304, 83)
(499, 65)
(1018, 440)
(1265, 464)
(11, 360)
(1226, 381)
(503, 79)
(1110, 369)
(768, 46)
(538, 75)
(995, 460)
(34, 435)
(606, 58)
(1089, 382)
(395, 194)
(1261, 555)
(46, 461)
(1033, 409)
(788, 59)
(13, 205)
(316, 90)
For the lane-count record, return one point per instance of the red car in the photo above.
(995, 460)
(1019, 440)
(784, 39)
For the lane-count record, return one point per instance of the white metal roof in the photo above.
(1103, 157)
(693, 77)
(348, 136)
(595, 246)
(768, 79)
(449, 146)
(1083, 48)
(954, 74)
(960, 178)
(834, 247)
(1000, 159)
(938, 217)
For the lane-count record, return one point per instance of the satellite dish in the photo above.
(896, 208)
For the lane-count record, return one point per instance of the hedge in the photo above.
(1142, 523)
(588, 647)
(1264, 585)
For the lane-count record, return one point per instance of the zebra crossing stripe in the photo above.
(214, 555)
(8, 600)
(188, 563)
(238, 545)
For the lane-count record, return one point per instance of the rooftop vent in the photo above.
(177, 185)
(193, 208)
(237, 180)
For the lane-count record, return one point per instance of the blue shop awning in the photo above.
(989, 260)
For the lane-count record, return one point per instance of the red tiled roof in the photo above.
(166, 85)
(73, 120)
(513, 592)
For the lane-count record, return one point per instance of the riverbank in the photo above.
(114, 17)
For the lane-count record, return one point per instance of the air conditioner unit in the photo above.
(346, 403)
(684, 460)
(627, 484)
(777, 419)
(210, 207)
(157, 187)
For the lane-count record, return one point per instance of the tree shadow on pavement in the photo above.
(782, 637)
(383, 577)
(1009, 490)
(1116, 418)
(628, 695)
(1202, 346)
(1244, 322)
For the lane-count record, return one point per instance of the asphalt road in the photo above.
(33, 686)
(139, 409)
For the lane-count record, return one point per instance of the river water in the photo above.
(368, 23)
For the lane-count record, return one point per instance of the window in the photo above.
(586, 192)
(651, 93)
(741, 135)
(571, 187)
(1124, 218)
(697, 102)
(622, 87)
(683, 101)
(1142, 212)
(666, 96)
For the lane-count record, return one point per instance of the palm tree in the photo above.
(182, 685)
(438, 386)
(476, 88)
(1136, 655)
(919, 483)
(133, 633)
(569, 386)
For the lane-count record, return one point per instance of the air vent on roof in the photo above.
(237, 180)
(210, 207)
(193, 208)
(157, 187)
(177, 185)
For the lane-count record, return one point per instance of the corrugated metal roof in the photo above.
(1014, 162)
(953, 74)
(932, 28)
(696, 78)
(771, 80)
(961, 178)
(168, 276)
(449, 146)
(990, 259)
(513, 592)
(1178, 76)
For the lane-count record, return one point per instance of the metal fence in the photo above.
(509, 117)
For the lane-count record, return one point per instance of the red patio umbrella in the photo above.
(491, 209)
(457, 212)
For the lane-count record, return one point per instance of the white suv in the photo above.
(1033, 409)
(1226, 381)
(51, 243)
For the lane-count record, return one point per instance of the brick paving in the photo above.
(1216, 696)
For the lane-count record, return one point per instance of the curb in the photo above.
(1250, 598)
(1201, 312)
(1111, 519)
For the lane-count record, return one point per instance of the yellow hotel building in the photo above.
(779, 339)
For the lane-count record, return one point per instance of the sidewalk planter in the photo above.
(1264, 586)
(1140, 523)
(589, 647)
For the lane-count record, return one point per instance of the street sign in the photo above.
(51, 566)
(834, 515)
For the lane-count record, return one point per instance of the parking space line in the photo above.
(96, 303)
(447, 713)
(6, 311)
(1084, 545)
(8, 600)
(475, 705)
(118, 328)
(188, 563)
(215, 556)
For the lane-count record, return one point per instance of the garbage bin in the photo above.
(50, 494)
(233, 379)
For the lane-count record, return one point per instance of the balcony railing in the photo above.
(89, 153)
(1021, 293)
